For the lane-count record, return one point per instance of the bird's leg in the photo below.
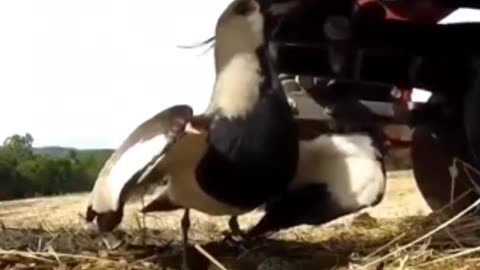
(235, 236)
(185, 229)
(234, 226)
(234, 229)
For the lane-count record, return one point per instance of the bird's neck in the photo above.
(237, 86)
(251, 106)
(243, 78)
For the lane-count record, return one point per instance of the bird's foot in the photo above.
(235, 237)
(242, 241)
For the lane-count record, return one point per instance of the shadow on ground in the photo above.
(40, 248)
(274, 253)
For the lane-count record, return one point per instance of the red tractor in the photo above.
(362, 59)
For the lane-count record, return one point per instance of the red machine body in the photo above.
(419, 11)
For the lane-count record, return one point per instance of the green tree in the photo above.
(73, 156)
(8, 188)
(20, 147)
(24, 173)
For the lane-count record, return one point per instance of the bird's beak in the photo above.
(198, 124)
(283, 8)
(190, 129)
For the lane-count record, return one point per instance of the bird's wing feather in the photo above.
(138, 155)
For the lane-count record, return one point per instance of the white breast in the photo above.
(346, 164)
(183, 188)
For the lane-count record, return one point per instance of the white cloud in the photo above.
(85, 73)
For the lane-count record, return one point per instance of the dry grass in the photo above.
(48, 233)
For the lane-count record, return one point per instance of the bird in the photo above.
(339, 172)
(228, 160)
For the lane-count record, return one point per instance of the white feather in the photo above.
(183, 189)
(236, 64)
(347, 164)
(119, 170)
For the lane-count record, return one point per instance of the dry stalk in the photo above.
(39, 255)
(450, 233)
(453, 256)
(470, 178)
(144, 221)
(454, 238)
(54, 254)
(29, 255)
(403, 262)
(461, 196)
(453, 170)
(210, 257)
(39, 245)
(107, 245)
(430, 233)
(387, 245)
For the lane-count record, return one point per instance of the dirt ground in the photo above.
(33, 228)
(402, 199)
(48, 233)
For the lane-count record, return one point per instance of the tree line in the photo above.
(24, 173)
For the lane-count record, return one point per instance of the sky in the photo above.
(85, 73)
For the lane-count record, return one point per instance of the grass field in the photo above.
(48, 233)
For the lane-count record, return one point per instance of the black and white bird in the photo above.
(338, 173)
(340, 169)
(227, 161)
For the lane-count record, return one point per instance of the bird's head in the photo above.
(243, 69)
(245, 25)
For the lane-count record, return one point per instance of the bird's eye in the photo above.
(243, 7)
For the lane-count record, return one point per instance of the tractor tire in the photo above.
(442, 169)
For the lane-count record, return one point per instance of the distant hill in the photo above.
(60, 152)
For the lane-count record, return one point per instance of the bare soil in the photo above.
(402, 199)
(49, 233)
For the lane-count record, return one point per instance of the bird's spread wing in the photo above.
(136, 158)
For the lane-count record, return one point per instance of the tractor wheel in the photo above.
(442, 171)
